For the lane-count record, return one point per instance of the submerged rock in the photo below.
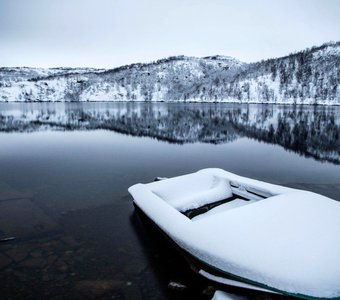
(33, 220)
(17, 254)
(7, 239)
(131, 292)
(36, 254)
(135, 267)
(34, 263)
(45, 277)
(99, 286)
(51, 259)
(69, 241)
(4, 261)
(177, 286)
(209, 291)
(61, 266)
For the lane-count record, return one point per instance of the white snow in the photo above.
(220, 295)
(289, 242)
(192, 191)
(327, 51)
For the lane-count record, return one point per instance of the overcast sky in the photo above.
(110, 33)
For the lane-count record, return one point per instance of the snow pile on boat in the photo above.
(288, 241)
(204, 189)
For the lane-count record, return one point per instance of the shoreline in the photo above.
(179, 102)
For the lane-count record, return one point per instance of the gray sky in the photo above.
(109, 33)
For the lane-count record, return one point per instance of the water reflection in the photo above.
(309, 131)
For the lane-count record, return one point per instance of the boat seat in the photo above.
(192, 191)
(223, 207)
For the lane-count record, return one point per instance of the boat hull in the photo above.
(200, 267)
(262, 237)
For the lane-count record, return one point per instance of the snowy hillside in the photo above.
(310, 76)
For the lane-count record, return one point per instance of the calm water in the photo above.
(65, 170)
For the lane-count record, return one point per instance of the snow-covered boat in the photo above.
(243, 232)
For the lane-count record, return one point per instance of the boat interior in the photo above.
(241, 195)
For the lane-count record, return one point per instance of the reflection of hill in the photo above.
(308, 131)
(175, 124)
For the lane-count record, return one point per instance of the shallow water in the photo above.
(65, 170)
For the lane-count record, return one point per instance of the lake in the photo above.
(65, 169)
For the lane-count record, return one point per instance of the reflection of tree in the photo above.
(312, 132)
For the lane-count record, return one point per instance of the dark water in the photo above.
(65, 170)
